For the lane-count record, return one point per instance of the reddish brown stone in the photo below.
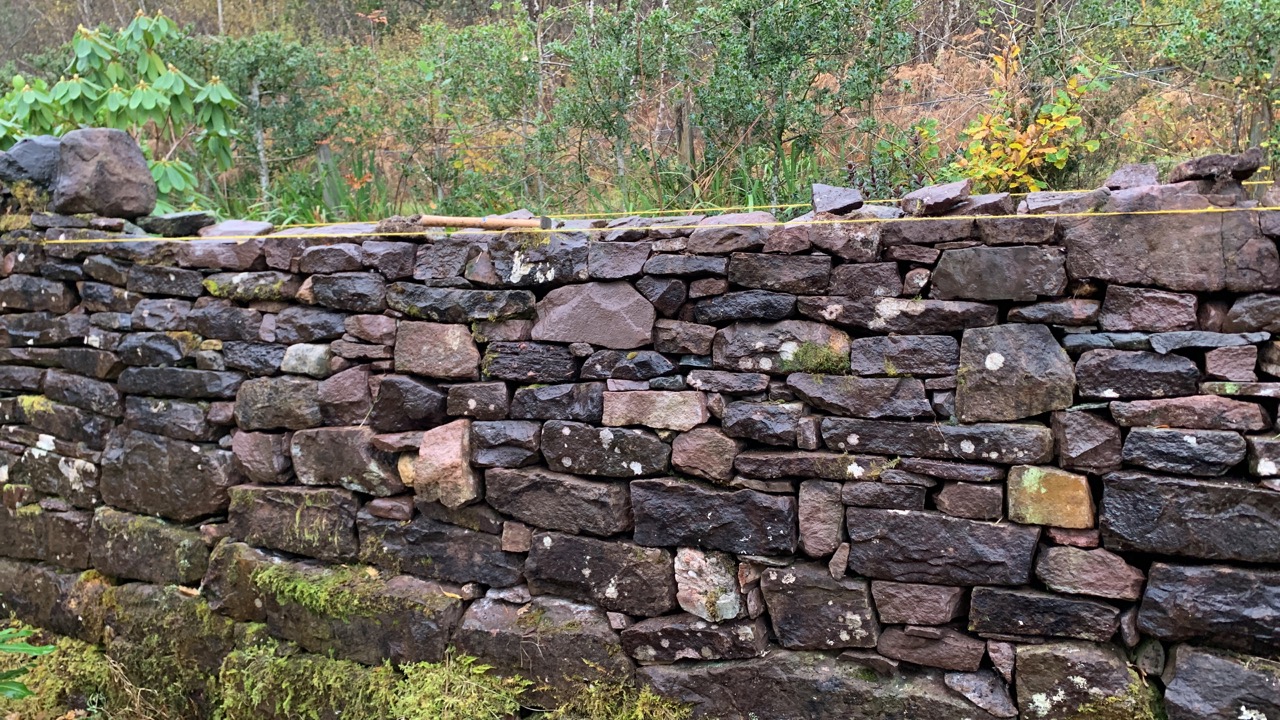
(1127, 309)
(1086, 442)
(1202, 412)
(1237, 364)
(969, 500)
(917, 604)
(705, 452)
(821, 517)
(951, 651)
(441, 469)
(1074, 538)
(673, 336)
(611, 315)
(655, 409)
(1089, 572)
(263, 457)
(436, 350)
(707, 585)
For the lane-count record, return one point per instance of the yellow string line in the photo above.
(645, 214)
(777, 223)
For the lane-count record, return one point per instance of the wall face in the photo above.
(947, 468)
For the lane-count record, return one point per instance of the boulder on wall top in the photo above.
(103, 171)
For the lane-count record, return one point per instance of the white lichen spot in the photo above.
(611, 591)
(1109, 393)
(45, 442)
(1079, 682)
(586, 572)
(788, 579)
(565, 431)
(831, 312)
(787, 350)
(765, 363)
(471, 403)
(1189, 439)
(966, 446)
(636, 467)
(1267, 467)
(546, 541)
(855, 470)
(1247, 713)
(852, 440)
(566, 461)
(606, 438)
(994, 361)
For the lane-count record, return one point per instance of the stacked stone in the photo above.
(961, 459)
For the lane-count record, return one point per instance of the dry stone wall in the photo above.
(994, 460)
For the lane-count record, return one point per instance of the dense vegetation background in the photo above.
(302, 111)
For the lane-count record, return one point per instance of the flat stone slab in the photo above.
(615, 575)
(1208, 684)
(1227, 607)
(670, 512)
(985, 442)
(1014, 611)
(787, 684)
(926, 547)
(1209, 519)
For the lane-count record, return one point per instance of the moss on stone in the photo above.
(811, 357)
(1140, 702)
(75, 677)
(30, 198)
(271, 680)
(342, 591)
(34, 404)
(9, 223)
(619, 699)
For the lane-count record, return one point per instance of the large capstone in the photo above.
(102, 171)
(1189, 252)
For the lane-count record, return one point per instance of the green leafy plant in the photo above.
(13, 642)
(124, 79)
(1013, 146)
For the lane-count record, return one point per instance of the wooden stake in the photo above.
(484, 223)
